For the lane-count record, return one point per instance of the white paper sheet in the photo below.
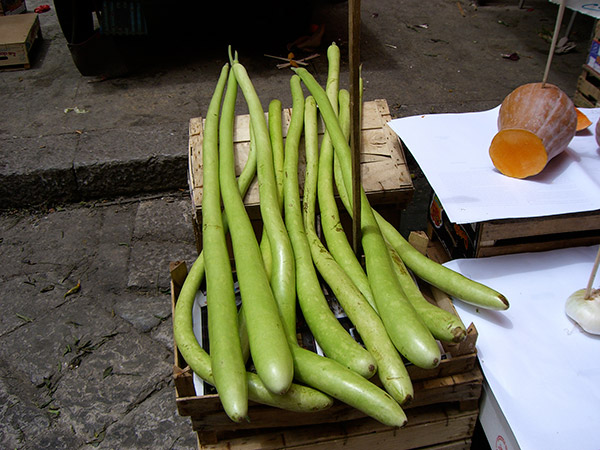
(582, 6)
(452, 151)
(542, 368)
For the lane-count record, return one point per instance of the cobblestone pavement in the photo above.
(93, 189)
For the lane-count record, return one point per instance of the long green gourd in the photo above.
(442, 324)
(229, 370)
(320, 372)
(283, 270)
(326, 374)
(333, 231)
(333, 338)
(266, 332)
(391, 368)
(410, 336)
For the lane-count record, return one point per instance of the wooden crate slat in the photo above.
(207, 412)
(535, 226)
(588, 88)
(507, 236)
(262, 417)
(384, 170)
(426, 427)
(485, 251)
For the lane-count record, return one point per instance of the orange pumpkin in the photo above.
(536, 123)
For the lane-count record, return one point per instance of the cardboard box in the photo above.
(593, 59)
(18, 34)
(384, 171)
(495, 426)
(498, 237)
(587, 93)
(8, 7)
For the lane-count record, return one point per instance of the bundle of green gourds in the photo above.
(382, 300)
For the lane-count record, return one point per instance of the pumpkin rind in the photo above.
(583, 121)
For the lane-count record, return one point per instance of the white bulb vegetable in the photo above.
(585, 311)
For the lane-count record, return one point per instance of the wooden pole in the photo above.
(588, 291)
(559, 18)
(355, 100)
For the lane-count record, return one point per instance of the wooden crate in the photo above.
(442, 414)
(587, 94)
(431, 427)
(505, 236)
(18, 33)
(384, 172)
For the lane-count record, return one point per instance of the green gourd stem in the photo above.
(276, 136)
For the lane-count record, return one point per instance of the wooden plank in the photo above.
(384, 171)
(182, 374)
(265, 417)
(495, 230)
(588, 88)
(523, 247)
(456, 364)
(462, 444)
(582, 102)
(207, 413)
(427, 426)
(458, 387)
(196, 131)
(507, 236)
(355, 121)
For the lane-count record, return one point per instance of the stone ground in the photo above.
(93, 192)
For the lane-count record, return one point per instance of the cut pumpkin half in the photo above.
(518, 153)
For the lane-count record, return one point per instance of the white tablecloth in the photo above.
(543, 370)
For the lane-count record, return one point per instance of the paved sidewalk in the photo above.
(93, 179)
(92, 367)
(67, 138)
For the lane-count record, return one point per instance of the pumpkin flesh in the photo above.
(518, 153)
